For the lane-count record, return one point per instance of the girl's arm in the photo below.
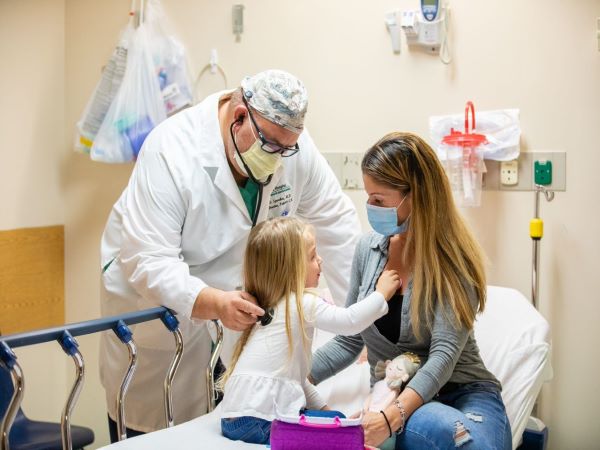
(344, 321)
(342, 351)
(313, 398)
(357, 316)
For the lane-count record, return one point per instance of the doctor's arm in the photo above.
(151, 254)
(330, 211)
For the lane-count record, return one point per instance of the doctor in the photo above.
(177, 234)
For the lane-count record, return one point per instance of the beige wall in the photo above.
(32, 115)
(359, 90)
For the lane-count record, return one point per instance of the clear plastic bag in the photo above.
(501, 128)
(104, 93)
(137, 108)
(170, 61)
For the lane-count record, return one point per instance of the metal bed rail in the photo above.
(65, 335)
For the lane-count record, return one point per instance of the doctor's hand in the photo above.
(237, 310)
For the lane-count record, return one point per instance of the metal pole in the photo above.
(535, 256)
(65, 420)
(170, 375)
(121, 428)
(535, 280)
(210, 381)
(15, 403)
(536, 232)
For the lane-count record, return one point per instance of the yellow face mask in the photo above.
(260, 163)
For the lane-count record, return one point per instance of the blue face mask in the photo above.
(385, 220)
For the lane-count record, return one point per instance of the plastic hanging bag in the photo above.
(104, 93)
(461, 153)
(501, 128)
(137, 108)
(170, 61)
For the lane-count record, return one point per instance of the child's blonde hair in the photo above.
(274, 269)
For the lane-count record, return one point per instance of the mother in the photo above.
(453, 400)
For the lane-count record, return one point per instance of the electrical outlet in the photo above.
(527, 175)
(509, 172)
(542, 172)
(351, 171)
(346, 168)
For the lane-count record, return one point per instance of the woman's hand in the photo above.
(376, 429)
(389, 282)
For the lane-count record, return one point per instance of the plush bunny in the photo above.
(395, 374)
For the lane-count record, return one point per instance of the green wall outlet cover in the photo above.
(543, 172)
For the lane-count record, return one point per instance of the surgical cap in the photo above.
(279, 97)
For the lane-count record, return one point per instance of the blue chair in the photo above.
(27, 434)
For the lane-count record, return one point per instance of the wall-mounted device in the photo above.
(430, 9)
(428, 28)
(237, 17)
(391, 22)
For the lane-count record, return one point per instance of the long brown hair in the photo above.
(274, 269)
(445, 257)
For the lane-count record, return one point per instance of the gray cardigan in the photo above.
(448, 354)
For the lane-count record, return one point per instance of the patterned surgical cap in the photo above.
(279, 97)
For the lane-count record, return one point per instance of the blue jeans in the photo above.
(469, 417)
(248, 429)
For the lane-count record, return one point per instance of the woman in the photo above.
(453, 400)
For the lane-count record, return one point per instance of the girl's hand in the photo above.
(376, 429)
(389, 282)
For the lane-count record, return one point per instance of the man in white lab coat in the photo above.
(177, 234)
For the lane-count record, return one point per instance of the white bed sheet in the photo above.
(514, 340)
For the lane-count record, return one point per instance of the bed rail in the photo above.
(65, 336)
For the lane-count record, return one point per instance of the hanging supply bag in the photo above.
(501, 128)
(462, 156)
(137, 108)
(170, 61)
(105, 91)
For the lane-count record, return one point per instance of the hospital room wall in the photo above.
(359, 90)
(32, 137)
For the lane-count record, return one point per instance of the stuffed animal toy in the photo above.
(393, 376)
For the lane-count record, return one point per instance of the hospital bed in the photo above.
(514, 340)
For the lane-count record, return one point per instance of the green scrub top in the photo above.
(249, 193)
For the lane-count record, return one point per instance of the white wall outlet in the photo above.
(351, 171)
(509, 172)
(346, 168)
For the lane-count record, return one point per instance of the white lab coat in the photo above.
(181, 225)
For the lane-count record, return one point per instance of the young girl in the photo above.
(272, 359)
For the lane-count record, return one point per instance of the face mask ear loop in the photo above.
(248, 171)
(252, 128)
(400, 204)
(401, 201)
